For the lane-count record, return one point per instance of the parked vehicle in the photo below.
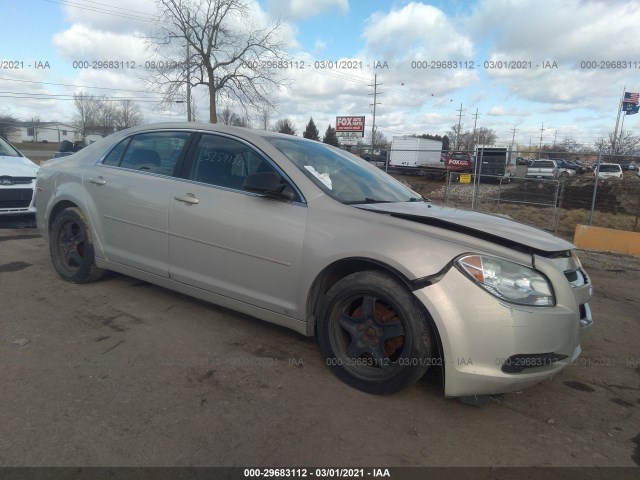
(494, 161)
(608, 170)
(381, 156)
(17, 181)
(543, 169)
(66, 148)
(565, 169)
(408, 151)
(307, 236)
(586, 165)
(577, 167)
(624, 164)
(422, 156)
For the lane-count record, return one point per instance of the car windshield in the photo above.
(343, 176)
(7, 150)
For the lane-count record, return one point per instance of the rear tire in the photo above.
(71, 248)
(373, 334)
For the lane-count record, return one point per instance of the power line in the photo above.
(68, 3)
(73, 85)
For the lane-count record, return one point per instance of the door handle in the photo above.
(98, 181)
(189, 198)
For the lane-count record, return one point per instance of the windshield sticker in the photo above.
(323, 177)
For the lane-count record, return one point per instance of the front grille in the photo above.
(519, 363)
(15, 197)
(17, 180)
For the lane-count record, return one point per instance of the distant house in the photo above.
(45, 132)
(96, 133)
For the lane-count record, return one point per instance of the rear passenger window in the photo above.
(156, 152)
(114, 156)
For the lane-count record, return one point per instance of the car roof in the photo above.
(210, 127)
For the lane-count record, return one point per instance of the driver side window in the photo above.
(225, 162)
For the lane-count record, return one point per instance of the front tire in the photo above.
(373, 333)
(71, 248)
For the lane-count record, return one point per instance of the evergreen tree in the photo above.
(311, 131)
(330, 137)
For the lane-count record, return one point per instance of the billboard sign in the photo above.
(350, 127)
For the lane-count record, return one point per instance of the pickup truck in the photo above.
(381, 156)
(547, 169)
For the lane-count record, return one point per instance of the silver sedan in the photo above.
(310, 237)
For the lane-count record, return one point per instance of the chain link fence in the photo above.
(555, 205)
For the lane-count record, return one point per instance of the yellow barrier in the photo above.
(607, 240)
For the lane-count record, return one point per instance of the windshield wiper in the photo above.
(367, 200)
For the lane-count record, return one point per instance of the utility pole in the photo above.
(555, 137)
(188, 73)
(188, 82)
(475, 124)
(513, 139)
(542, 129)
(375, 96)
(459, 126)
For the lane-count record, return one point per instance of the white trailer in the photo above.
(409, 151)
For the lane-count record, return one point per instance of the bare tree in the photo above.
(466, 140)
(106, 114)
(485, 136)
(285, 125)
(626, 143)
(86, 112)
(8, 124)
(128, 115)
(264, 117)
(379, 140)
(229, 117)
(35, 128)
(226, 53)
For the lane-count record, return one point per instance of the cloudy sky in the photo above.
(573, 50)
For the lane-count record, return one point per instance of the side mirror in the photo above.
(269, 184)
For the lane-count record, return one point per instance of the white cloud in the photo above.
(319, 46)
(416, 32)
(81, 42)
(566, 30)
(299, 9)
(118, 16)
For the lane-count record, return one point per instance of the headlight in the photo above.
(507, 280)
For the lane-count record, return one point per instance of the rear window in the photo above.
(608, 167)
(543, 164)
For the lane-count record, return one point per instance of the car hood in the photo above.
(481, 225)
(17, 167)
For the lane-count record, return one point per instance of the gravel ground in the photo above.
(123, 373)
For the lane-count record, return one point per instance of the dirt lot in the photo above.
(123, 373)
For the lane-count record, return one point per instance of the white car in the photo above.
(608, 170)
(17, 181)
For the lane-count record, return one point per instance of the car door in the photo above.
(128, 198)
(230, 241)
